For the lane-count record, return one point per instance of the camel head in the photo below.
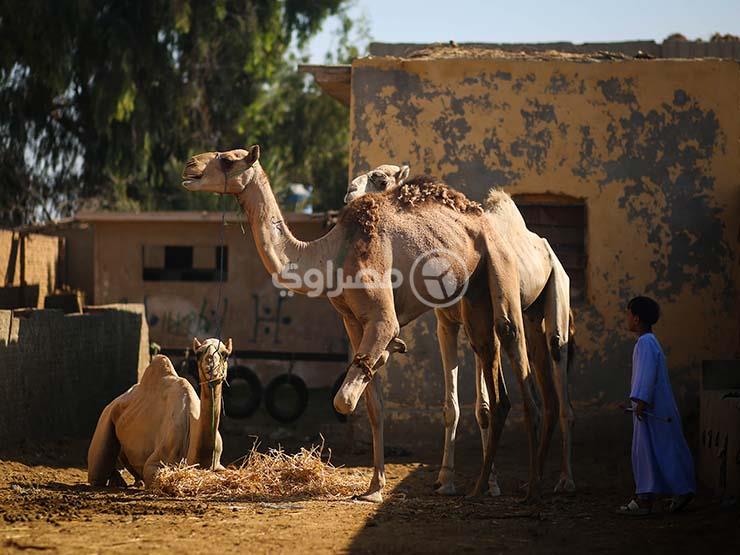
(380, 179)
(221, 172)
(212, 356)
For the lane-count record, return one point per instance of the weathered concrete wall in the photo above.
(59, 371)
(28, 259)
(650, 146)
(254, 312)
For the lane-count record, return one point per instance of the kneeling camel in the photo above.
(160, 420)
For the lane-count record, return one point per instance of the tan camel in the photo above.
(160, 420)
(377, 238)
(550, 367)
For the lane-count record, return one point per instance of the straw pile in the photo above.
(262, 476)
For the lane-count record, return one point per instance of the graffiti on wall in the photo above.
(169, 315)
(268, 317)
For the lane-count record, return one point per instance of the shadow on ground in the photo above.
(414, 519)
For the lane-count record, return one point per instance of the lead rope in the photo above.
(220, 317)
(213, 424)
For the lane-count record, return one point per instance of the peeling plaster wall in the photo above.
(652, 147)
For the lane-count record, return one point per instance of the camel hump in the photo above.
(497, 200)
(160, 367)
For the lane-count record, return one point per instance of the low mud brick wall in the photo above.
(58, 371)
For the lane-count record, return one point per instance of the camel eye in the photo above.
(378, 178)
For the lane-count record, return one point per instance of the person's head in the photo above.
(642, 314)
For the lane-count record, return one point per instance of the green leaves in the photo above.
(105, 99)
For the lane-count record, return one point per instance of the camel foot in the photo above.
(494, 490)
(446, 489)
(138, 484)
(116, 480)
(480, 489)
(530, 498)
(369, 497)
(397, 345)
(565, 485)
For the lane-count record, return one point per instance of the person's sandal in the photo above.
(679, 502)
(633, 508)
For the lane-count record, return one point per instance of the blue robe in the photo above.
(661, 460)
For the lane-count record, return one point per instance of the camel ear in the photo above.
(253, 154)
(228, 346)
(402, 175)
(196, 344)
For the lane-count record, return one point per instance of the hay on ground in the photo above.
(262, 476)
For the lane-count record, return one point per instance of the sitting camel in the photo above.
(376, 238)
(160, 420)
(537, 286)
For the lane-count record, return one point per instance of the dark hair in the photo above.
(646, 309)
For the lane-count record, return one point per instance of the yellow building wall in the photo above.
(652, 147)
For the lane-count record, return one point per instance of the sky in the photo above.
(528, 21)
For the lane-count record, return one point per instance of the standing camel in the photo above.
(375, 237)
(544, 286)
(160, 420)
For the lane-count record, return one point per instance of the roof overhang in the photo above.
(187, 217)
(334, 80)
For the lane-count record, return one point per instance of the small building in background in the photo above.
(198, 278)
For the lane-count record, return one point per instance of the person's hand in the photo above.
(639, 408)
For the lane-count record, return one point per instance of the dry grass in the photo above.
(263, 476)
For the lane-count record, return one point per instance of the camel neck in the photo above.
(203, 443)
(284, 256)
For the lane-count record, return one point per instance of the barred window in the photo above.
(562, 221)
(184, 263)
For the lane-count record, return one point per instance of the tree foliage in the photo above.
(105, 99)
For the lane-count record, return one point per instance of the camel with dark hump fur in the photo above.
(161, 420)
(545, 290)
(375, 236)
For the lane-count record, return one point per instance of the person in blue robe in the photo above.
(661, 460)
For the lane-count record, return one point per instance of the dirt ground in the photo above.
(45, 505)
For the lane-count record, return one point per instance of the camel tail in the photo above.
(571, 341)
(104, 450)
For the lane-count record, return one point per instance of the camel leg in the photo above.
(151, 468)
(497, 416)
(558, 319)
(138, 481)
(374, 402)
(103, 453)
(543, 371)
(478, 320)
(447, 336)
(509, 327)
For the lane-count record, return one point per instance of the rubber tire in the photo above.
(335, 388)
(300, 389)
(234, 375)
